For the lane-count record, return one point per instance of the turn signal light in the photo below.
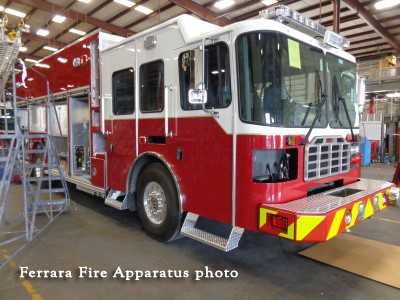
(280, 223)
(291, 140)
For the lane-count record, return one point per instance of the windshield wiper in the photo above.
(337, 99)
(317, 97)
(319, 103)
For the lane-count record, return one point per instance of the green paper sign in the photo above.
(294, 54)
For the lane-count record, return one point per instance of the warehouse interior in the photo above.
(99, 192)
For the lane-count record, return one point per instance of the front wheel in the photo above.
(158, 203)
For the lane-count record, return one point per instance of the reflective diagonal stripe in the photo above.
(263, 215)
(354, 214)
(290, 232)
(369, 209)
(337, 220)
(306, 224)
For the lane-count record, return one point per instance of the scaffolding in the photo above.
(45, 196)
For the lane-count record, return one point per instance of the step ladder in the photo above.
(112, 200)
(37, 198)
(40, 190)
(221, 243)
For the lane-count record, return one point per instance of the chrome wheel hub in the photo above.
(155, 202)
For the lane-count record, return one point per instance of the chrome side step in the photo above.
(221, 243)
(111, 200)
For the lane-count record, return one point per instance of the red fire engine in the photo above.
(254, 125)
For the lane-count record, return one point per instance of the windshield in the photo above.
(342, 91)
(281, 81)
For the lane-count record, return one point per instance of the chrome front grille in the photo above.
(326, 156)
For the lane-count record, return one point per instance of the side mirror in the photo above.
(198, 95)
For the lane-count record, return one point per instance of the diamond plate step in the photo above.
(112, 200)
(221, 243)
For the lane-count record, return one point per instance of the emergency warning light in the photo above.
(292, 18)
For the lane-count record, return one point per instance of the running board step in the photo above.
(221, 243)
(111, 200)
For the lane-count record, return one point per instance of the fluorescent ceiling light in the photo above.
(31, 60)
(62, 60)
(42, 32)
(85, 1)
(125, 2)
(76, 31)
(386, 3)
(269, 2)
(392, 95)
(222, 4)
(13, 12)
(50, 48)
(23, 49)
(59, 19)
(144, 10)
(42, 66)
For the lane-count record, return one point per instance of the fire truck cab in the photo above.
(254, 125)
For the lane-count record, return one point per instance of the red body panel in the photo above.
(62, 76)
(97, 163)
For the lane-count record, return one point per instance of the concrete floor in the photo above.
(102, 238)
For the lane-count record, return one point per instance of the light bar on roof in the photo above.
(292, 18)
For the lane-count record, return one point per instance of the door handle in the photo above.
(111, 147)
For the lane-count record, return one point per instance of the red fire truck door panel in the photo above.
(121, 149)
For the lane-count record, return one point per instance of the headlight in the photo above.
(355, 149)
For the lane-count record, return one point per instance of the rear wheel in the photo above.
(158, 203)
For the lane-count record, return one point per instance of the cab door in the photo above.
(155, 99)
(118, 95)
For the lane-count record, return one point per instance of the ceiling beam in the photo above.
(375, 24)
(371, 31)
(202, 12)
(125, 11)
(50, 7)
(153, 14)
(366, 47)
(376, 52)
(373, 56)
(371, 39)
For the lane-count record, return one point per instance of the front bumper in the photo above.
(320, 217)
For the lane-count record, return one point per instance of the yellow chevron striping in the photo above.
(369, 209)
(306, 224)
(336, 223)
(290, 232)
(263, 215)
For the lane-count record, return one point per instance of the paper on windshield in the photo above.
(294, 54)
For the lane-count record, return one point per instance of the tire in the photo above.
(158, 203)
